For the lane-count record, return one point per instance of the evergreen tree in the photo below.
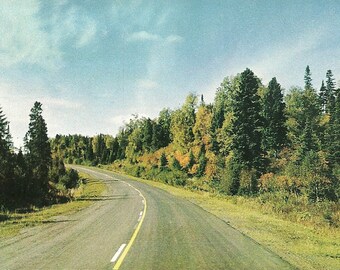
(247, 124)
(323, 97)
(163, 161)
(332, 136)
(38, 151)
(330, 92)
(273, 107)
(308, 78)
(6, 159)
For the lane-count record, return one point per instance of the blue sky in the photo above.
(95, 63)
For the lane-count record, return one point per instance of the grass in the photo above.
(305, 247)
(16, 221)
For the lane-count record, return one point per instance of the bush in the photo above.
(70, 179)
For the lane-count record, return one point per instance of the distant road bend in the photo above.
(136, 226)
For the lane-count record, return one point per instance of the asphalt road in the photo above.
(171, 233)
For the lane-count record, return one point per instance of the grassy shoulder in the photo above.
(14, 222)
(304, 246)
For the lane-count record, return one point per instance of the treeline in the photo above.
(251, 140)
(31, 176)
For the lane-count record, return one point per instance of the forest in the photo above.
(253, 140)
(32, 177)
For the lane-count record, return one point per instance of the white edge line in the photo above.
(119, 251)
(141, 213)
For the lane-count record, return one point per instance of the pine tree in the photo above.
(274, 132)
(39, 152)
(247, 124)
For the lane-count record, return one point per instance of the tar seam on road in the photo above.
(129, 245)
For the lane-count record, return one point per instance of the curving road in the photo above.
(116, 232)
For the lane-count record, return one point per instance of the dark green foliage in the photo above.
(202, 163)
(163, 161)
(330, 92)
(38, 151)
(332, 136)
(323, 97)
(6, 158)
(191, 160)
(57, 170)
(273, 112)
(308, 78)
(70, 179)
(247, 122)
(175, 164)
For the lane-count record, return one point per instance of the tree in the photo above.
(323, 97)
(164, 123)
(330, 92)
(308, 78)
(247, 123)
(163, 161)
(332, 136)
(38, 151)
(182, 123)
(6, 158)
(273, 112)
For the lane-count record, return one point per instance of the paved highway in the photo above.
(136, 226)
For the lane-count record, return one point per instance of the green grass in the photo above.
(15, 221)
(306, 247)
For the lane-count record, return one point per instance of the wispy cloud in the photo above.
(87, 35)
(143, 36)
(22, 37)
(147, 36)
(147, 84)
(174, 39)
(28, 37)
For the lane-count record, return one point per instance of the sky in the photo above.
(92, 64)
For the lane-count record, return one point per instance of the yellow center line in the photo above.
(133, 238)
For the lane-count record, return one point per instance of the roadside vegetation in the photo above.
(12, 222)
(280, 152)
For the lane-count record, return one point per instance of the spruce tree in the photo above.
(330, 92)
(308, 78)
(332, 136)
(273, 107)
(38, 151)
(247, 124)
(322, 97)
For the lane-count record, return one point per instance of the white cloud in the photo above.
(147, 84)
(146, 36)
(22, 37)
(174, 39)
(87, 35)
(143, 36)
(27, 37)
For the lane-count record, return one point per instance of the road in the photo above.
(170, 233)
